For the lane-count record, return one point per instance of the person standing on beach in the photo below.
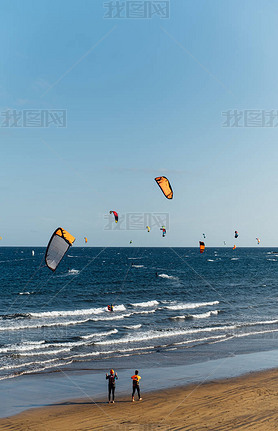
(136, 386)
(112, 377)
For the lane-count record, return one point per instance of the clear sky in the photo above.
(144, 97)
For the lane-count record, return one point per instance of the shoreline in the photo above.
(246, 402)
(40, 390)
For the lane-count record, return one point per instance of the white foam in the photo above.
(215, 337)
(100, 334)
(46, 352)
(170, 277)
(262, 322)
(145, 304)
(73, 271)
(137, 266)
(114, 317)
(67, 313)
(25, 346)
(37, 370)
(246, 334)
(39, 347)
(163, 334)
(197, 316)
(120, 307)
(205, 315)
(133, 326)
(42, 325)
(188, 306)
(26, 364)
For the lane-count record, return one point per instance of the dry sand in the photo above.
(246, 403)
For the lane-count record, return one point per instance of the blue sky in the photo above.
(144, 97)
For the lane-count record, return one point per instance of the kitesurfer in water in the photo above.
(110, 307)
(112, 377)
(156, 274)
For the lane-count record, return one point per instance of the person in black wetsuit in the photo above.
(135, 385)
(112, 377)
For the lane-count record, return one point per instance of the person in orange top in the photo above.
(136, 387)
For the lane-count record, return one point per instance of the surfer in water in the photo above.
(110, 307)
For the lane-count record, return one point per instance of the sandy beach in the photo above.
(243, 403)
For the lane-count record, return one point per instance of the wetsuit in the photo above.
(111, 385)
(135, 385)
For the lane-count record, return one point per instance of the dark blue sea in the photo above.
(171, 306)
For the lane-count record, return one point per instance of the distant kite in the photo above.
(148, 227)
(204, 235)
(86, 240)
(115, 215)
(58, 245)
(165, 186)
(258, 240)
(234, 247)
(236, 234)
(202, 246)
(224, 242)
(163, 231)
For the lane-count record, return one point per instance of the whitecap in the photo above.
(170, 277)
(145, 304)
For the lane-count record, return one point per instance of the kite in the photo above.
(130, 242)
(234, 247)
(58, 245)
(86, 240)
(148, 227)
(236, 234)
(163, 231)
(165, 187)
(258, 240)
(115, 215)
(204, 235)
(224, 242)
(202, 246)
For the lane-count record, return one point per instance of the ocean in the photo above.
(172, 306)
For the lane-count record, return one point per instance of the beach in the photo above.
(242, 403)
(186, 338)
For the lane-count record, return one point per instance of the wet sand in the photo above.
(243, 403)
